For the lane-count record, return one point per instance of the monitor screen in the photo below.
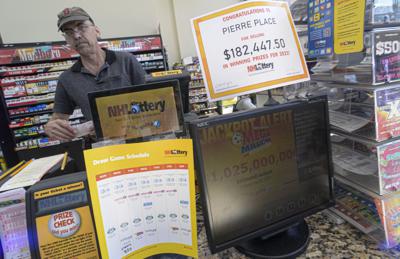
(262, 169)
(138, 112)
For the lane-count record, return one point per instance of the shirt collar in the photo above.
(110, 58)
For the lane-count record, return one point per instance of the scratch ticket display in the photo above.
(143, 198)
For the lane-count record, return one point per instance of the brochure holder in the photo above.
(366, 111)
(372, 165)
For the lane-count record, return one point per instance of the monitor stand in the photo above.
(271, 101)
(289, 243)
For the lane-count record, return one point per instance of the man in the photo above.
(97, 69)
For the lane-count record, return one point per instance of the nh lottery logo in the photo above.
(175, 152)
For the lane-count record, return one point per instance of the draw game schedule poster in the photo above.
(143, 198)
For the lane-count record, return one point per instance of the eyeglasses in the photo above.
(80, 28)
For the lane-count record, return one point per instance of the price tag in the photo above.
(386, 53)
(247, 48)
(166, 73)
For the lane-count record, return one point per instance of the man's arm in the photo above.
(58, 127)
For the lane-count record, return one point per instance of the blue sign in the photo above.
(320, 28)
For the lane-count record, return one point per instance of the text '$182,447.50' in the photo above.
(257, 47)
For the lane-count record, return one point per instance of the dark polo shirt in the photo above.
(120, 69)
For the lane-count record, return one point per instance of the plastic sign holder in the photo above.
(248, 47)
(59, 218)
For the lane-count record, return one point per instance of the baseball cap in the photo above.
(72, 14)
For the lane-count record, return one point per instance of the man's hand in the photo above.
(58, 128)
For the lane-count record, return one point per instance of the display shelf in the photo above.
(207, 111)
(377, 64)
(15, 116)
(149, 57)
(35, 68)
(196, 87)
(14, 91)
(209, 108)
(198, 100)
(372, 165)
(26, 101)
(29, 75)
(23, 80)
(22, 125)
(365, 124)
(134, 44)
(25, 53)
(35, 143)
(365, 111)
(21, 137)
(27, 123)
(151, 69)
(36, 88)
(375, 215)
(197, 94)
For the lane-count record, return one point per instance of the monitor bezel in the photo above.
(275, 227)
(138, 88)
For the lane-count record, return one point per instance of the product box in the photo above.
(365, 111)
(378, 63)
(377, 216)
(226, 106)
(372, 165)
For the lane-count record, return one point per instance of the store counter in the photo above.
(328, 240)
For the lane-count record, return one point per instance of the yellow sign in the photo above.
(138, 114)
(248, 47)
(60, 234)
(348, 26)
(59, 190)
(166, 73)
(143, 198)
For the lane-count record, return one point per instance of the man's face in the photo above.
(81, 36)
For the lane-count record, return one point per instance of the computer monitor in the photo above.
(183, 78)
(260, 173)
(138, 113)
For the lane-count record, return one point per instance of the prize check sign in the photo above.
(248, 47)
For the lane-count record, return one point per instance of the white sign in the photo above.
(247, 48)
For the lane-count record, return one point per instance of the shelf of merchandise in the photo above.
(28, 114)
(198, 101)
(365, 157)
(148, 50)
(350, 81)
(28, 78)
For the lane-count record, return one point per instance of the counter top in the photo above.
(328, 240)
